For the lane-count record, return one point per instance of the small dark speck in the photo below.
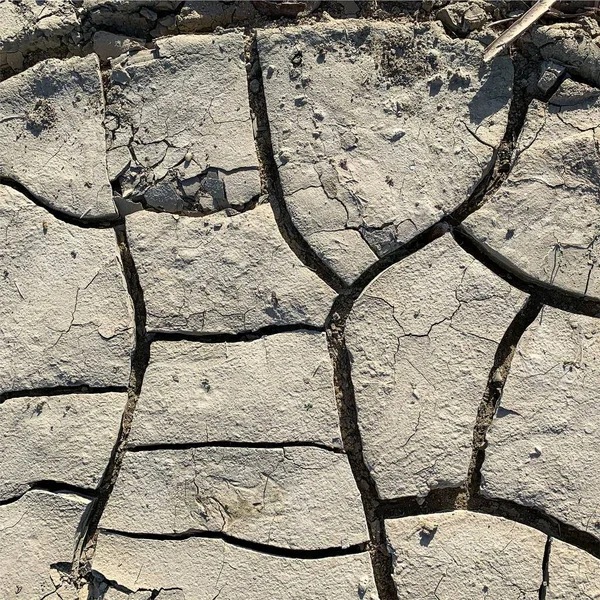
(509, 234)
(73, 254)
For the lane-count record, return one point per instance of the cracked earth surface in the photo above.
(298, 300)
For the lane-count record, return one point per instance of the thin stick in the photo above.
(517, 29)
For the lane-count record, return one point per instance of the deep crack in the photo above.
(139, 361)
(270, 175)
(493, 393)
(381, 558)
(501, 162)
(219, 338)
(231, 444)
(545, 570)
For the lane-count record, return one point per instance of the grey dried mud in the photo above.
(547, 42)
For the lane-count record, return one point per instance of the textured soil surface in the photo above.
(298, 300)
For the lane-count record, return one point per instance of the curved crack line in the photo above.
(89, 223)
(493, 393)
(444, 500)
(242, 543)
(272, 183)
(53, 486)
(552, 295)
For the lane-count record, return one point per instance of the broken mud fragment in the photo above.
(544, 443)
(37, 535)
(66, 439)
(229, 571)
(574, 45)
(295, 497)
(544, 219)
(220, 274)
(52, 136)
(573, 574)
(463, 556)
(180, 136)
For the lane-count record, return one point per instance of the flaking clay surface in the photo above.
(379, 130)
(177, 151)
(295, 497)
(298, 300)
(276, 389)
(465, 556)
(422, 339)
(543, 442)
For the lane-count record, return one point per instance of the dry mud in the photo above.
(298, 300)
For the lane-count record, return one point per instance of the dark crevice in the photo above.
(190, 207)
(50, 485)
(139, 362)
(100, 585)
(230, 444)
(500, 164)
(88, 223)
(545, 570)
(270, 174)
(493, 392)
(417, 243)
(219, 338)
(444, 501)
(248, 545)
(60, 391)
(551, 294)
(381, 558)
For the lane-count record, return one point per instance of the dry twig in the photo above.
(517, 29)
